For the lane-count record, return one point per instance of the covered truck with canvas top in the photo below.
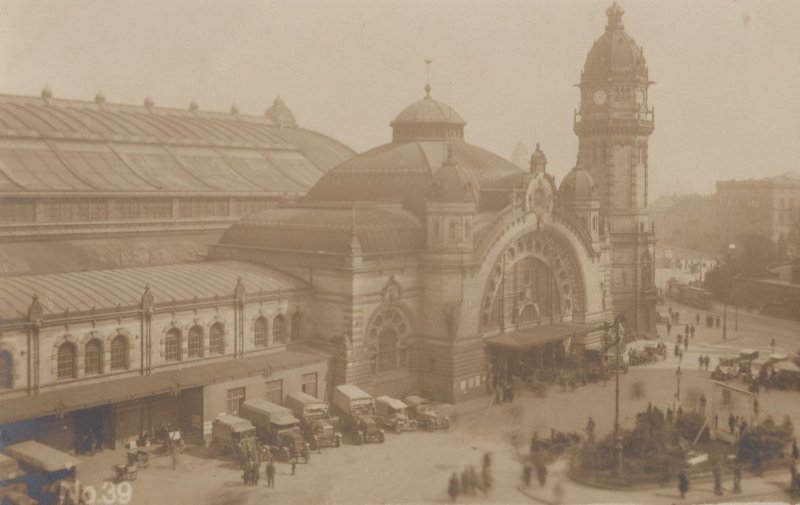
(316, 422)
(276, 427)
(356, 409)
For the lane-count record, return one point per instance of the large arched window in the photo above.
(215, 335)
(195, 343)
(172, 345)
(279, 329)
(527, 284)
(6, 372)
(260, 332)
(389, 330)
(65, 362)
(93, 358)
(119, 353)
(297, 326)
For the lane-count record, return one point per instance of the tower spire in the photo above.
(614, 14)
(428, 88)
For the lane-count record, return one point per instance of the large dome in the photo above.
(615, 53)
(403, 171)
(578, 185)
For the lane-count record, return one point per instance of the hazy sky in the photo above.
(727, 72)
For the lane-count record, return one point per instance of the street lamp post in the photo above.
(618, 322)
(678, 392)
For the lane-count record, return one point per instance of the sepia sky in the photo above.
(727, 72)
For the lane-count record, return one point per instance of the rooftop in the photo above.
(54, 145)
(97, 290)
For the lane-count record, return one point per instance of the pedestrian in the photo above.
(246, 472)
(702, 403)
(678, 413)
(452, 488)
(717, 479)
(510, 391)
(731, 422)
(686, 342)
(498, 398)
(294, 465)
(270, 474)
(541, 473)
(680, 356)
(474, 484)
(174, 454)
(755, 408)
(590, 429)
(697, 318)
(464, 483)
(692, 330)
(702, 361)
(677, 348)
(683, 483)
(795, 451)
(742, 428)
(708, 362)
(256, 472)
(527, 471)
(669, 327)
(687, 330)
(669, 415)
(737, 478)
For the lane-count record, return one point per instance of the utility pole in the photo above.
(618, 322)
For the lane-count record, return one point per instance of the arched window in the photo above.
(452, 230)
(387, 349)
(65, 367)
(279, 330)
(93, 358)
(6, 375)
(172, 345)
(260, 332)
(297, 326)
(215, 338)
(594, 223)
(389, 329)
(119, 353)
(195, 341)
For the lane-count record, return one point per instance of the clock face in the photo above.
(599, 97)
(640, 97)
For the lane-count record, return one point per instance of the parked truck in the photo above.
(356, 410)
(316, 422)
(393, 414)
(234, 435)
(277, 428)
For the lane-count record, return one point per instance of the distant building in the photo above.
(683, 221)
(769, 207)
(521, 156)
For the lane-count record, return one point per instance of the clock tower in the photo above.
(613, 125)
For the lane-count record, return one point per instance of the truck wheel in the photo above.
(412, 425)
(381, 437)
(430, 426)
(397, 428)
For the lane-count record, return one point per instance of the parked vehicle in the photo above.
(46, 470)
(727, 368)
(356, 410)
(785, 375)
(601, 365)
(393, 414)
(689, 295)
(127, 472)
(12, 483)
(277, 428)
(426, 414)
(316, 422)
(140, 457)
(645, 351)
(232, 435)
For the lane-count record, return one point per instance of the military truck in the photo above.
(234, 435)
(427, 415)
(316, 422)
(393, 414)
(356, 410)
(277, 428)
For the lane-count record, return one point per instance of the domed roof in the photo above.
(428, 119)
(578, 185)
(615, 53)
(281, 114)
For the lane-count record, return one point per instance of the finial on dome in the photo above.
(614, 14)
(100, 98)
(47, 93)
(538, 161)
(428, 90)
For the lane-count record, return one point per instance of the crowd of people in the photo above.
(471, 483)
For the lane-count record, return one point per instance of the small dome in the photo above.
(47, 93)
(281, 114)
(100, 98)
(193, 106)
(615, 53)
(428, 119)
(578, 185)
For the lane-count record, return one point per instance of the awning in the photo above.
(131, 388)
(527, 338)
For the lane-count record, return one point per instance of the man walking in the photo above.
(683, 483)
(270, 474)
(452, 488)
(737, 478)
(717, 479)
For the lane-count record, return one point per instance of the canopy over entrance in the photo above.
(527, 338)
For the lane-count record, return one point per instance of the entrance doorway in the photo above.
(94, 429)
